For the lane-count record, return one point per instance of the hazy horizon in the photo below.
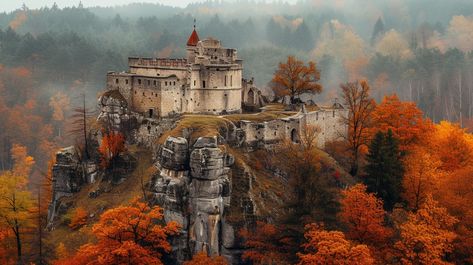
(35, 4)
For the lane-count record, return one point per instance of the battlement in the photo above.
(157, 62)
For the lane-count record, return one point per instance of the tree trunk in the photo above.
(16, 230)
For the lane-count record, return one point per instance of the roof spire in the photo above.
(194, 38)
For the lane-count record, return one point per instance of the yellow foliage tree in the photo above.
(421, 176)
(393, 44)
(427, 235)
(16, 202)
(331, 248)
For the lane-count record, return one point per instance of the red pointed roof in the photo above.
(193, 39)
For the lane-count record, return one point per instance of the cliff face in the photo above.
(194, 186)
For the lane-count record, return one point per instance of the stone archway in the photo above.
(294, 136)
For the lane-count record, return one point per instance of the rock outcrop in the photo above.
(67, 178)
(114, 110)
(194, 186)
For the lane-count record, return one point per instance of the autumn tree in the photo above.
(356, 97)
(452, 145)
(79, 129)
(384, 170)
(332, 248)
(314, 193)
(112, 145)
(267, 244)
(60, 104)
(127, 235)
(363, 215)
(201, 258)
(421, 176)
(454, 193)
(16, 202)
(79, 218)
(427, 235)
(294, 78)
(404, 119)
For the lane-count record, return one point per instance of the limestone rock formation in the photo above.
(68, 176)
(194, 186)
(114, 111)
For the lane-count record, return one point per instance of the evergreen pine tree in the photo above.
(384, 170)
(378, 30)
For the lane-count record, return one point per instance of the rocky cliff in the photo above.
(194, 186)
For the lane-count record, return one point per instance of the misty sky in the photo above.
(9, 5)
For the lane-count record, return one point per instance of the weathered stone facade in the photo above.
(209, 80)
(329, 121)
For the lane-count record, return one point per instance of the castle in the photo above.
(208, 81)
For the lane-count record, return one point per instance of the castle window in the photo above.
(149, 82)
(166, 83)
(194, 83)
(225, 80)
(143, 93)
(231, 80)
(203, 84)
(154, 82)
(126, 81)
(116, 81)
(174, 83)
(139, 81)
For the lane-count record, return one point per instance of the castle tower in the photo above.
(192, 45)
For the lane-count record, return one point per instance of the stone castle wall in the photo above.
(328, 121)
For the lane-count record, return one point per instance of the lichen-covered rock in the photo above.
(67, 178)
(207, 163)
(113, 109)
(202, 142)
(196, 190)
(174, 153)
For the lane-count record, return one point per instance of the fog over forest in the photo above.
(419, 49)
(376, 168)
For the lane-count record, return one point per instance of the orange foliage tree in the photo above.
(452, 145)
(267, 244)
(403, 118)
(331, 247)
(79, 218)
(112, 145)
(202, 259)
(127, 235)
(294, 78)
(362, 214)
(427, 235)
(455, 193)
(356, 97)
(420, 177)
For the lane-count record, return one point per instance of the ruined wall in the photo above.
(329, 122)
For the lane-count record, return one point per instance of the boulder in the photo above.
(174, 153)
